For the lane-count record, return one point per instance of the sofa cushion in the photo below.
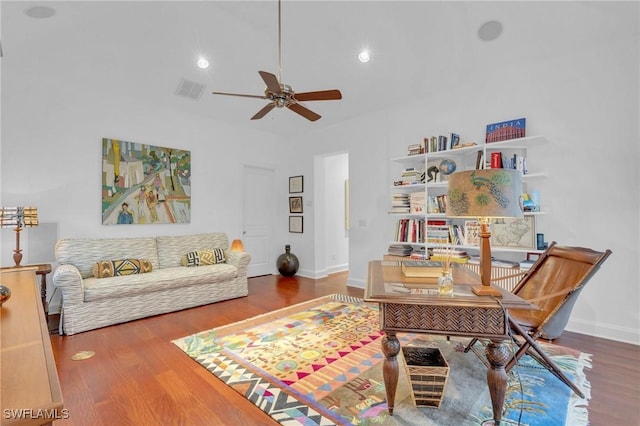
(203, 257)
(160, 279)
(172, 248)
(84, 253)
(112, 268)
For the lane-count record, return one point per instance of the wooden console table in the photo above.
(30, 387)
(406, 305)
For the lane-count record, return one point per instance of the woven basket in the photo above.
(428, 372)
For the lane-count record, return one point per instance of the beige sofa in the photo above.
(89, 303)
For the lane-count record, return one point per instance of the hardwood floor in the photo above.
(138, 377)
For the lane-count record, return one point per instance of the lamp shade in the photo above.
(18, 217)
(486, 193)
(237, 245)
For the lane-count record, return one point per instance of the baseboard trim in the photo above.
(605, 331)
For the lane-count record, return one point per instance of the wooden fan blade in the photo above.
(263, 111)
(305, 112)
(238, 94)
(271, 81)
(323, 95)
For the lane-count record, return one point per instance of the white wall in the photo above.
(51, 158)
(589, 114)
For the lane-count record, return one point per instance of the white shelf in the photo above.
(466, 160)
(418, 158)
(412, 187)
(420, 215)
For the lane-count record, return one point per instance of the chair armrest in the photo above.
(238, 259)
(68, 279)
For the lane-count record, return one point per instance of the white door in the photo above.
(258, 218)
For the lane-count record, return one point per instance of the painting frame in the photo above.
(296, 184)
(296, 224)
(295, 204)
(145, 184)
(514, 232)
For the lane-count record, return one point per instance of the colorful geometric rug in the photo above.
(320, 363)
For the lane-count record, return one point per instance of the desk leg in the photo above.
(390, 349)
(497, 355)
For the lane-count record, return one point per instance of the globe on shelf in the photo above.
(447, 167)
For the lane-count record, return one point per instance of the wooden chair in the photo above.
(553, 283)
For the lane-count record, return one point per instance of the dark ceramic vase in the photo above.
(288, 263)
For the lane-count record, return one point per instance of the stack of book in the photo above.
(452, 255)
(426, 271)
(400, 203)
(399, 250)
(410, 176)
(416, 148)
(438, 231)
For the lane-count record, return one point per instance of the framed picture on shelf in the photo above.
(295, 204)
(296, 184)
(514, 232)
(471, 233)
(295, 224)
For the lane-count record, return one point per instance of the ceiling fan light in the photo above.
(364, 56)
(202, 63)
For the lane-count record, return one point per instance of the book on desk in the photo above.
(421, 269)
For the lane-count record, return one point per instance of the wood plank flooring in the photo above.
(138, 377)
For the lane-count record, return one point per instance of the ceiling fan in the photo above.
(282, 95)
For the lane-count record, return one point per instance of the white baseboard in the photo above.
(605, 331)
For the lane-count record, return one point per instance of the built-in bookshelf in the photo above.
(419, 178)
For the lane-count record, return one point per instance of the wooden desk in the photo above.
(30, 388)
(42, 270)
(408, 306)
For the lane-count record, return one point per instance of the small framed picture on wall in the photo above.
(295, 224)
(295, 204)
(296, 184)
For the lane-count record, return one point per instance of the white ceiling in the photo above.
(142, 49)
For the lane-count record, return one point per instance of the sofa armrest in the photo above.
(68, 279)
(238, 259)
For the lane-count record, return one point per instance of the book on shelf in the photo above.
(410, 231)
(399, 250)
(421, 269)
(505, 130)
(472, 232)
(480, 160)
(415, 149)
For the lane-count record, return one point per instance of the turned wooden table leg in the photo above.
(390, 349)
(497, 355)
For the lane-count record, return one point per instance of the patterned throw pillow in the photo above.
(114, 268)
(203, 257)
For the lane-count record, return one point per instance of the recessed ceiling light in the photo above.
(363, 56)
(490, 30)
(40, 12)
(202, 63)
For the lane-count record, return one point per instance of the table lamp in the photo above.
(18, 217)
(237, 245)
(485, 195)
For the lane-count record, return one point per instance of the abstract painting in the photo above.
(144, 184)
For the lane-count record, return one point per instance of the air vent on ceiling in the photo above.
(189, 89)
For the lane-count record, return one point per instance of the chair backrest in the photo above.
(555, 281)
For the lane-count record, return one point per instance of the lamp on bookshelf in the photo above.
(485, 195)
(18, 218)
